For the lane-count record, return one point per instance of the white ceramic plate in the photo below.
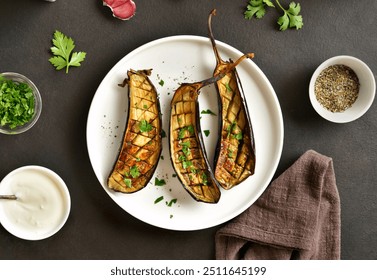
(175, 60)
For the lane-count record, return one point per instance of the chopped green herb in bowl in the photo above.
(20, 103)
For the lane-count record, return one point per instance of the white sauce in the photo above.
(40, 205)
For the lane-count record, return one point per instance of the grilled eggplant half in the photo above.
(186, 143)
(141, 146)
(235, 151)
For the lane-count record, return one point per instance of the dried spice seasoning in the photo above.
(337, 88)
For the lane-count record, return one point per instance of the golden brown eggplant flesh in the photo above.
(235, 152)
(141, 146)
(187, 149)
(186, 146)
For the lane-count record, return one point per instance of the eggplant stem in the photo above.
(212, 38)
(231, 66)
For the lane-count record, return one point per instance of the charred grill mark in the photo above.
(141, 146)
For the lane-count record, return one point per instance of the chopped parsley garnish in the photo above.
(230, 153)
(158, 199)
(128, 182)
(228, 87)
(208, 111)
(134, 171)
(186, 164)
(238, 136)
(204, 178)
(161, 83)
(189, 128)
(185, 147)
(158, 182)
(230, 128)
(144, 126)
(171, 202)
(163, 133)
(16, 103)
(182, 158)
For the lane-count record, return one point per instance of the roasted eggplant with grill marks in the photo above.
(235, 151)
(141, 147)
(185, 140)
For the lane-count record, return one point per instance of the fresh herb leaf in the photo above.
(182, 158)
(62, 50)
(144, 126)
(204, 178)
(158, 182)
(171, 202)
(186, 164)
(230, 153)
(189, 128)
(185, 147)
(230, 128)
(228, 88)
(163, 133)
(206, 132)
(128, 182)
(257, 8)
(158, 199)
(161, 83)
(208, 111)
(134, 171)
(181, 133)
(290, 19)
(238, 136)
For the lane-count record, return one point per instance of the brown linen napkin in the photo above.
(297, 217)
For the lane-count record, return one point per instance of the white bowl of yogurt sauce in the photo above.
(42, 206)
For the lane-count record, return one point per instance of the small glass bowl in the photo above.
(366, 91)
(37, 104)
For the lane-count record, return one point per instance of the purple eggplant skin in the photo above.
(142, 145)
(235, 155)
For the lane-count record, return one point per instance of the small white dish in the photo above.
(366, 92)
(42, 206)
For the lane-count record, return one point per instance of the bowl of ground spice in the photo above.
(20, 103)
(342, 89)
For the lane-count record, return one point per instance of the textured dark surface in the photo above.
(97, 228)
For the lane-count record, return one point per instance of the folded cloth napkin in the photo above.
(297, 217)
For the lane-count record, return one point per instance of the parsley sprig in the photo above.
(62, 50)
(290, 19)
